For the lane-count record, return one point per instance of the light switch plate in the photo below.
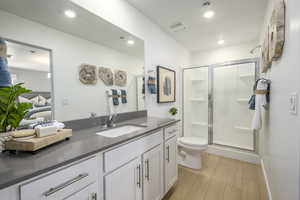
(294, 103)
(65, 102)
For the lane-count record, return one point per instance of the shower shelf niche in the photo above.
(198, 99)
(197, 80)
(246, 76)
(243, 128)
(199, 124)
(242, 100)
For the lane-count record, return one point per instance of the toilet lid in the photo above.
(193, 141)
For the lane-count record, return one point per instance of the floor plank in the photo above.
(220, 179)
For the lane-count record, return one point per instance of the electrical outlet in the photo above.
(294, 104)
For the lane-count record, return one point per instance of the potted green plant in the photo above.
(12, 112)
(173, 111)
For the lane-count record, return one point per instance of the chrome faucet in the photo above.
(111, 120)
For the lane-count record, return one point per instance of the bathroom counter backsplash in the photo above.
(15, 168)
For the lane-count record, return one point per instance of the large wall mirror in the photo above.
(70, 75)
(31, 66)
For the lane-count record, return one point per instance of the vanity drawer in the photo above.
(170, 131)
(63, 183)
(127, 152)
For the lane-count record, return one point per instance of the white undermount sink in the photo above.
(119, 131)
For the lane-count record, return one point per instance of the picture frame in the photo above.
(166, 85)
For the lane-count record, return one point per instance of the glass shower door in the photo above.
(196, 83)
(232, 88)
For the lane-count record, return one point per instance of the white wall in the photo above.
(223, 54)
(69, 53)
(280, 136)
(160, 48)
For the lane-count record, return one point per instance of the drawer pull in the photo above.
(168, 154)
(139, 182)
(66, 184)
(147, 173)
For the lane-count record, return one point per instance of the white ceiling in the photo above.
(27, 57)
(235, 21)
(86, 25)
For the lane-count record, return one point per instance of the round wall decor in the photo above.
(88, 74)
(120, 78)
(106, 75)
(277, 32)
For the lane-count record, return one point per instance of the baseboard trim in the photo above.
(234, 154)
(266, 179)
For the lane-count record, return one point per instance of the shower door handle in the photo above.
(210, 100)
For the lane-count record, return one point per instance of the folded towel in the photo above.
(23, 133)
(123, 96)
(260, 103)
(115, 97)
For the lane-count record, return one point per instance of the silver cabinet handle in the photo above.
(147, 174)
(168, 154)
(139, 176)
(66, 184)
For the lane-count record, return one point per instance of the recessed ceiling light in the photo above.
(130, 42)
(70, 14)
(220, 42)
(208, 14)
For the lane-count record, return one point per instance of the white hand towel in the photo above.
(260, 103)
(110, 106)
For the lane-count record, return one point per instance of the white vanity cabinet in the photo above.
(142, 169)
(125, 183)
(170, 155)
(153, 173)
(66, 183)
(88, 193)
(140, 175)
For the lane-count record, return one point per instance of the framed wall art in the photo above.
(166, 85)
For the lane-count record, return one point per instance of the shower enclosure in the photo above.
(216, 103)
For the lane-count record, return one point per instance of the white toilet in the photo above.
(189, 151)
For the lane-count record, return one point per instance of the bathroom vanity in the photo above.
(139, 165)
(85, 74)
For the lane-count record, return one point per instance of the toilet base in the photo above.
(190, 159)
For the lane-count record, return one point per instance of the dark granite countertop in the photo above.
(22, 166)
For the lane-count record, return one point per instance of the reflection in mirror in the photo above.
(30, 65)
(97, 67)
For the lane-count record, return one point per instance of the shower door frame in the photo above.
(211, 98)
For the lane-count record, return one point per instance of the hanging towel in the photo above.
(5, 78)
(251, 102)
(110, 106)
(123, 96)
(260, 103)
(143, 88)
(152, 85)
(115, 97)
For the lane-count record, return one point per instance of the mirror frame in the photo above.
(50, 65)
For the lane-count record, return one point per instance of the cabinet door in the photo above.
(171, 170)
(125, 182)
(153, 173)
(88, 193)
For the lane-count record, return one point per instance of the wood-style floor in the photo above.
(220, 179)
